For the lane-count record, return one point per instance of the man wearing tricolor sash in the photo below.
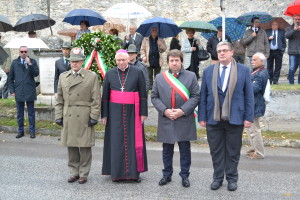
(175, 95)
(124, 108)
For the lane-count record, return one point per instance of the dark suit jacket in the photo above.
(21, 80)
(137, 42)
(280, 39)
(242, 104)
(212, 45)
(60, 67)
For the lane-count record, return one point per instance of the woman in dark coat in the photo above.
(175, 43)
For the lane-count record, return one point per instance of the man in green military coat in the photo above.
(77, 110)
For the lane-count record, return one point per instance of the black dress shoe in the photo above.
(138, 180)
(216, 185)
(165, 180)
(232, 186)
(20, 135)
(185, 182)
(32, 135)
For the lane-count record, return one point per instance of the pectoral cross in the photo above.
(122, 88)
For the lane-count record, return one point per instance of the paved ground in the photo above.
(37, 169)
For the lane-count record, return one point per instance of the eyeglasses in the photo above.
(223, 50)
(121, 60)
(23, 51)
(296, 18)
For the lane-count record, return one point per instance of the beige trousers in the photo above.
(80, 161)
(255, 138)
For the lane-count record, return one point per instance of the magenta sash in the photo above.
(133, 98)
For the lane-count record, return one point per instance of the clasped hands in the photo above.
(173, 114)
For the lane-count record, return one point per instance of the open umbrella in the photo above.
(199, 26)
(293, 9)
(3, 55)
(75, 16)
(31, 43)
(247, 17)
(5, 24)
(68, 32)
(282, 24)
(127, 11)
(33, 22)
(166, 27)
(232, 29)
(112, 23)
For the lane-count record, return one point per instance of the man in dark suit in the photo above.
(21, 85)
(62, 64)
(133, 38)
(226, 106)
(277, 48)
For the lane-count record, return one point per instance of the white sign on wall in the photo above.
(47, 72)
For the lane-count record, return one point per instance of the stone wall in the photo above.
(177, 10)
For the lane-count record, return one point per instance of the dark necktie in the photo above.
(173, 99)
(223, 75)
(23, 62)
(274, 39)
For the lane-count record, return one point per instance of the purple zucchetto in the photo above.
(121, 51)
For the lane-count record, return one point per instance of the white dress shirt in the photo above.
(274, 47)
(227, 72)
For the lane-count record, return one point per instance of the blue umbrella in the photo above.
(247, 17)
(166, 27)
(232, 29)
(76, 16)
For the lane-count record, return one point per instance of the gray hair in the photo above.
(261, 56)
(225, 43)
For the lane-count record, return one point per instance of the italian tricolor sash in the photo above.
(100, 62)
(177, 85)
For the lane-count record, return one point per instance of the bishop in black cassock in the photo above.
(123, 109)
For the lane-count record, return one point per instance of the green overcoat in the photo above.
(78, 100)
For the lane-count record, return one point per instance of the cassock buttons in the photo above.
(77, 115)
(77, 94)
(69, 115)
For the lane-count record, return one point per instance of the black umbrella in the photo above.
(5, 24)
(3, 55)
(33, 22)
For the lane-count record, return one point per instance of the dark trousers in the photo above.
(225, 143)
(4, 91)
(274, 74)
(239, 58)
(185, 158)
(31, 116)
(153, 71)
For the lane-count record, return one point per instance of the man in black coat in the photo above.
(133, 61)
(62, 64)
(213, 42)
(22, 86)
(277, 48)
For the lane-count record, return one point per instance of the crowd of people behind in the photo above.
(229, 99)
